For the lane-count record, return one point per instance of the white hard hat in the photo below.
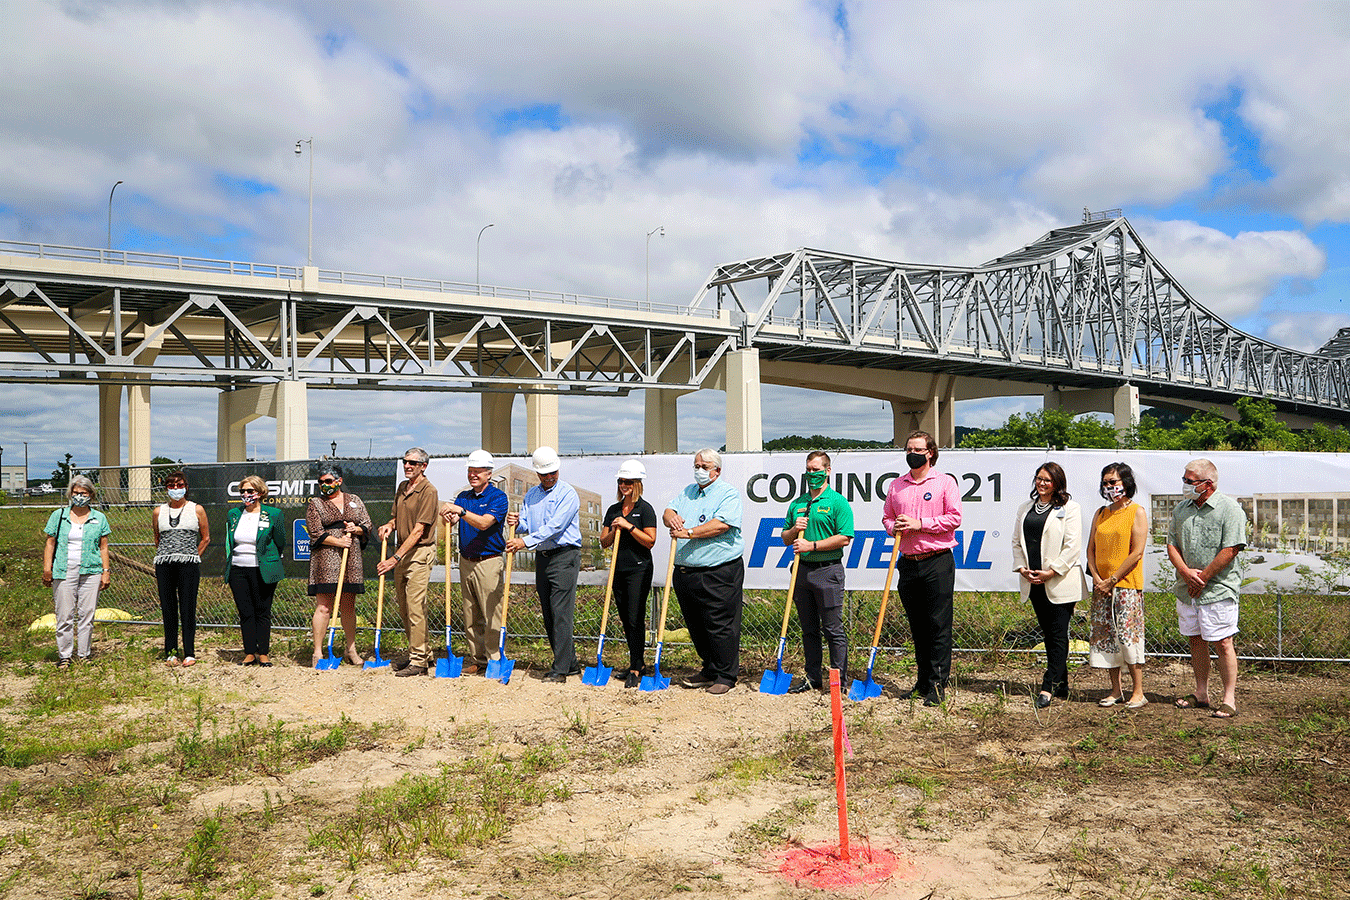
(545, 460)
(480, 459)
(632, 468)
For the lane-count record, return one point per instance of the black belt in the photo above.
(915, 557)
(820, 563)
(554, 550)
(479, 558)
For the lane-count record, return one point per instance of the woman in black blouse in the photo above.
(632, 522)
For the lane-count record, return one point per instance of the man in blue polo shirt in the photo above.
(706, 519)
(480, 513)
(550, 520)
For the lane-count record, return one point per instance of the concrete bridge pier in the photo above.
(1121, 402)
(661, 425)
(285, 401)
(541, 421)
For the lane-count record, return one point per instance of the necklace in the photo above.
(174, 520)
(1042, 508)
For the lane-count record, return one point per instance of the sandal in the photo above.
(1190, 701)
(63, 664)
(1223, 711)
(172, 661)
(189, 661)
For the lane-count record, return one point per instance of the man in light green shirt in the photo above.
(1208, 530)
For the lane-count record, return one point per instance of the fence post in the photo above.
(1279, 623)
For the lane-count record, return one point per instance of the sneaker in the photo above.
(717, 688)
(799, 686)
(410, 671)
(696, 682)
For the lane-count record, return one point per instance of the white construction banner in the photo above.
(1298, 503)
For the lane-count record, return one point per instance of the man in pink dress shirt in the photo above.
(922, 512)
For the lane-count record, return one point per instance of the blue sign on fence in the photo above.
(300, 543)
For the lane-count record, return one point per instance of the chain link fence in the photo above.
(1310, 622)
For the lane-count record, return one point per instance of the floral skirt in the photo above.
(1117, 629)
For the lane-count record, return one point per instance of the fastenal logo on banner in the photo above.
(869, 549)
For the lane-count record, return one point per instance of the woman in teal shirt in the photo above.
(75, 566)
(253, 545)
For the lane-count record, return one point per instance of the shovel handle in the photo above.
(342, 571)
(609, 584)
(787, 606)
(886, 594)
(447, 590)
(665, 595)
(379, 603)
(506, 576)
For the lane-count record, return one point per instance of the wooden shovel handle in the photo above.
(886, 594)
(665, 593)
(609, 582)
(379, 603)
(787, 606)
(506, 576)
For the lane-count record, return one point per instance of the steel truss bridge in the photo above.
(1086, 306)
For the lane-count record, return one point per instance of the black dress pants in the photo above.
(710, 600)
(819, 598)
(632, 587)
(925, 588)
(1054, 619)
(178, 583)
(253, 600)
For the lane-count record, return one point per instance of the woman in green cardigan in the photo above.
(253, 545)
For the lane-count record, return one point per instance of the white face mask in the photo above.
(702, 477)
(176, 493)
(1190, 491)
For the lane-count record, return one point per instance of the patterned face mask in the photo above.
(79, 501)
(328, 489)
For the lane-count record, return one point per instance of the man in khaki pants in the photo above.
(479, 512)
(415, 508)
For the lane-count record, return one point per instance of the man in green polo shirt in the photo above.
(1208, 530)
(818, 526)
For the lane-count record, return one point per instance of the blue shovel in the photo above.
(864, 690)
(599, 674)
(500, 669)
(332, 662)
(654, 681)
(778, 681)
(377, 662)
(452, 666)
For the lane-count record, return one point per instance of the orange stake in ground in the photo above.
(840, 784)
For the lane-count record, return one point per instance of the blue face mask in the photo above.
(79, 501)
(176, 493)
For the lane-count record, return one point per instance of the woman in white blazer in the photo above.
(1047, 543)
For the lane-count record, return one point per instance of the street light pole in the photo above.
(661, 229)
(478, 259)
(110, 193)
(309, 259)
(23, 497)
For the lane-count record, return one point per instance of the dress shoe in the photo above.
(1043, 700)
(410, 671)
(632, 680)
(696, 682)
(470, 669)
(933, 698)
(575, 671)
(717, 688)
(554, 678)
(799, 686)
(400, 664)
(915, 693)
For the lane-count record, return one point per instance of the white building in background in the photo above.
(13, 479)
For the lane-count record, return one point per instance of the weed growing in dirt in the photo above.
(470, 805)
(202, 854)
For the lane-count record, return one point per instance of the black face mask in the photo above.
(916, 460)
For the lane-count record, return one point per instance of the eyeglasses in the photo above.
(413, 462)
(1109, 483)
(249, 495)
(627, 481)
(1185, 480)
(1040, 480)
(327, 481)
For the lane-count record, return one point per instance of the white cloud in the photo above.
(1230, 275)
(1306, 331)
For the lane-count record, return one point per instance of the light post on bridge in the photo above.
(660, 229)
(309, 259)
(478, 259)
(110, 195)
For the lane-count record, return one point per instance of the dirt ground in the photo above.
(984, 798)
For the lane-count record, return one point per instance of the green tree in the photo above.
(61, 474)
(1257, 428)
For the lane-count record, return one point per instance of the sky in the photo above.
(948, 132)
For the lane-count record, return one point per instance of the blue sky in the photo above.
(928, 132)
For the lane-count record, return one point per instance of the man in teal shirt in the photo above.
(709, 573)
(818, 526)
(1208, 530)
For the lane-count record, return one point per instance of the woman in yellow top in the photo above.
(1115, 555)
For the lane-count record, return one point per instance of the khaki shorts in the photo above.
(1211, 621)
